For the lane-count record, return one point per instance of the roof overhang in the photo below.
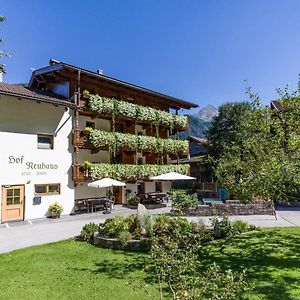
(59, 66)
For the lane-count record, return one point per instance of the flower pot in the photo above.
(55, 215)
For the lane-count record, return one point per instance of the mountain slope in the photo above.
(200, 122)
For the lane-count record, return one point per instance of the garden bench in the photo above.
(212, 201)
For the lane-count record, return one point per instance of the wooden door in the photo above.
(12, 203)
(118, 194)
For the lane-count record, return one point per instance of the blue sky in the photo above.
(201, 51)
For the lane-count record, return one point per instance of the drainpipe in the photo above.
(177, 137)
(76, 119)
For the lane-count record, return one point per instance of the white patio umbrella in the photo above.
(172, 176)
(106, 183)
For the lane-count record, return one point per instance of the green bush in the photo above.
(133, 199)
(115, 227)
(222, 227)
(167, 225)
(240, 226)
(88, 231)
(183, 200)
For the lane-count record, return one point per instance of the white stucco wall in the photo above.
(20, 121)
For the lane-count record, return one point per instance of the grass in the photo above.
(271, 258)
(74, 270)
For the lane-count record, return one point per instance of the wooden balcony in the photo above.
(79, 174)
(80, 139)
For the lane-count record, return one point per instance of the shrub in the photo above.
(222, 227)
(88, 231)
(183, 200)
(115, 227)
(175, 259)
(240, 226)
(133, 199)
(165, 225)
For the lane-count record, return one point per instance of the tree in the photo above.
(3, 53)
(265, 162)
(227, 128)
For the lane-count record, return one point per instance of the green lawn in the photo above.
(75, 270)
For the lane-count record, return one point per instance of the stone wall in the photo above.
(228, 209)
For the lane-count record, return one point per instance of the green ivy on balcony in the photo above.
(124, 171)
(117, 140)
(115, 107)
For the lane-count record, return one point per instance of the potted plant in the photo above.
(55, 210)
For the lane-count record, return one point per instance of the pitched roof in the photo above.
(57, 66)
(36, 95)
(275, 105)
(198, 139)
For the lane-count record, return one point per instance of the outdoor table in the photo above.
(157, 196)
(92, 203)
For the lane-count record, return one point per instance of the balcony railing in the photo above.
(118, 108)
(116, 141)
(123, 171)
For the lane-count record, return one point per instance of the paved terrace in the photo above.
(19, 235)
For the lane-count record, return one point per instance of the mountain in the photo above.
(207, 113)
(200, 122)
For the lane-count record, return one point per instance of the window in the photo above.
(47, 189)
(117, 159)
(13, 196)
(45, 141)
(119, 128)
(158, 187)
(90, 124)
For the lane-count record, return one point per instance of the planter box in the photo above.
(142, 245)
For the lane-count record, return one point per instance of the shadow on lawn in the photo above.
(263, 254)
(129, 265)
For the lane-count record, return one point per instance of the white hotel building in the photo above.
(43, 149)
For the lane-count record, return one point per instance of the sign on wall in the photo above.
(30, 167)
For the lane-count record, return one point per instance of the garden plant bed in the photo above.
(142, 245)
(226, 209)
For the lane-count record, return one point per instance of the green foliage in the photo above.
(115, 107)
(117, 140)
(132, 199)
(240, 226)
(165, 225)
(118, 226)
(120, 171)
(174, 256)
(259, 154)
(56, 208)
(227, 128)
(88, 230)
(223, 228)
(184, 200)
(3, 53)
